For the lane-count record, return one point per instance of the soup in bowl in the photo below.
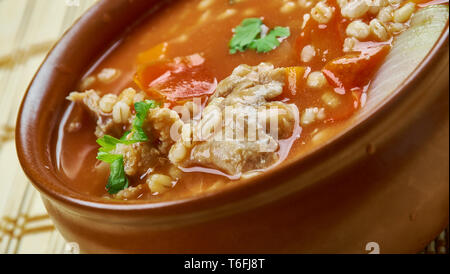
(163, 121)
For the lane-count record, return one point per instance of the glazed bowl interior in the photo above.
(97, 31)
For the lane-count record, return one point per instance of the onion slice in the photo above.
(409, 49)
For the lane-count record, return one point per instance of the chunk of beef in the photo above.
(240, 127)
(105, 123)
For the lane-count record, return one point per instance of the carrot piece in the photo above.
(355, 70)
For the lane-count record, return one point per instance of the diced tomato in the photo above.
(348, 104)
(178, 79)
(355, 70)
(327, 39)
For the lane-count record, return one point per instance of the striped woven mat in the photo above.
(27, 32)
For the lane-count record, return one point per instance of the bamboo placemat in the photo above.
(28, 29)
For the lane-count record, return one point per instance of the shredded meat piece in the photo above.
(164, 124)
(161, 127)
(234, 134)
(91, 100)
(251, 85)
(237, 133)
(131, 193)
(139, 158)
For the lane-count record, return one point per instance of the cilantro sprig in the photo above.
(245, 34)
(118, 180)
(137, 132)
(270, 41)
(248, 35)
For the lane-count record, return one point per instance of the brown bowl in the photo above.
(384, 179)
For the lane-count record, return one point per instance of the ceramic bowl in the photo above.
(384, 179)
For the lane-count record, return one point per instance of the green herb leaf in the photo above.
(108, 143)
(270, 41)
(244, 34)
(281, 32)
(248, 36)
(137, 132)
(124, 136)
(107, 157)
(117, 180)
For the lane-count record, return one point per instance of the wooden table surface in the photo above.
(28, 29)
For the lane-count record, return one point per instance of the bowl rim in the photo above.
(261, 184)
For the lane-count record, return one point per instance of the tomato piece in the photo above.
(176, 79)
(340, 107)
(327, 39)
(355, 70)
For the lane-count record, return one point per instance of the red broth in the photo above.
(189, 30)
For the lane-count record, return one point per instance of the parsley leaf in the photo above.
(244, 34)
(270, 41)
(107, 157)
(137, 132)
(108, 143)
(248, 36)
(118, 180)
